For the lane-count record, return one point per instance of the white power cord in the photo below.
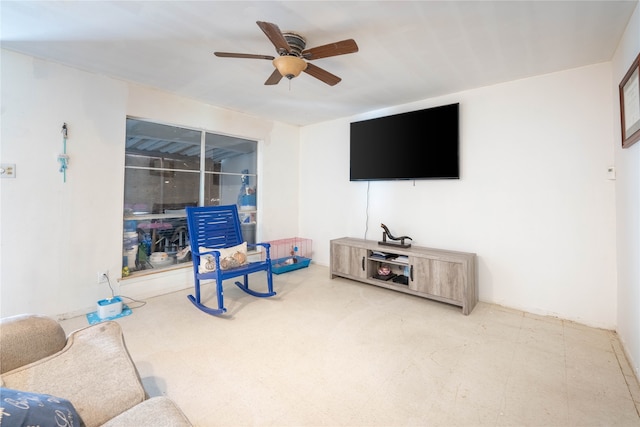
(106, 276)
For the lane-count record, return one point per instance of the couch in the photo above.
(90, 371)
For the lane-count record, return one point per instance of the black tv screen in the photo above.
(421, 144)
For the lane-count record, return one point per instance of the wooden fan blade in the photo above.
(242, 55)
(275, 35)
(274, 78)
(332, 49)
(322, 75)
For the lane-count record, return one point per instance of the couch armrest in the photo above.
(26, 338)
(94, 371)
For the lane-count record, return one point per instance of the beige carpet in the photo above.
(339, 353)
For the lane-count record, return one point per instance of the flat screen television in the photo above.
(421, 144)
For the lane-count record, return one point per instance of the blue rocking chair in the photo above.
(214, 235)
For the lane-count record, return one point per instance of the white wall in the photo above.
(533, 201)
(56, 236)
(627, 163)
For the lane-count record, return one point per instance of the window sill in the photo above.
(254, 255)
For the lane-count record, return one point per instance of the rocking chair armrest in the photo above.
(214, 252)
(263, 244)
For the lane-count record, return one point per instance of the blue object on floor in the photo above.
(93, 317)
(281, 265)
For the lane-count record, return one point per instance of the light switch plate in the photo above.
(8, 170)
(611, 172)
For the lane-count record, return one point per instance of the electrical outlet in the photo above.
(102, 276)
(7, 170)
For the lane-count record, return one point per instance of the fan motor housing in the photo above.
(296, 42)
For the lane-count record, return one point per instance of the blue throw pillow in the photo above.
(21, 408)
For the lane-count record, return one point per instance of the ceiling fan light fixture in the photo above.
(289, 66)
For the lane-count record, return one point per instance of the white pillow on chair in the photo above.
(233, 257)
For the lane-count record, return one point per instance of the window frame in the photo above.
(203, 172)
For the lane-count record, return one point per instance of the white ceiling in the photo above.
(409, 50)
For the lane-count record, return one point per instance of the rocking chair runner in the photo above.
(212, 230)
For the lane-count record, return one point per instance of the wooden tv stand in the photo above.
(440, 275)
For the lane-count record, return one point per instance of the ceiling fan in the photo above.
(293, 56)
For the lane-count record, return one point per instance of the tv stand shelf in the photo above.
(441, 275)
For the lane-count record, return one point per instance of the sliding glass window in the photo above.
(168, 168)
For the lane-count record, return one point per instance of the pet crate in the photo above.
(289, 254)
